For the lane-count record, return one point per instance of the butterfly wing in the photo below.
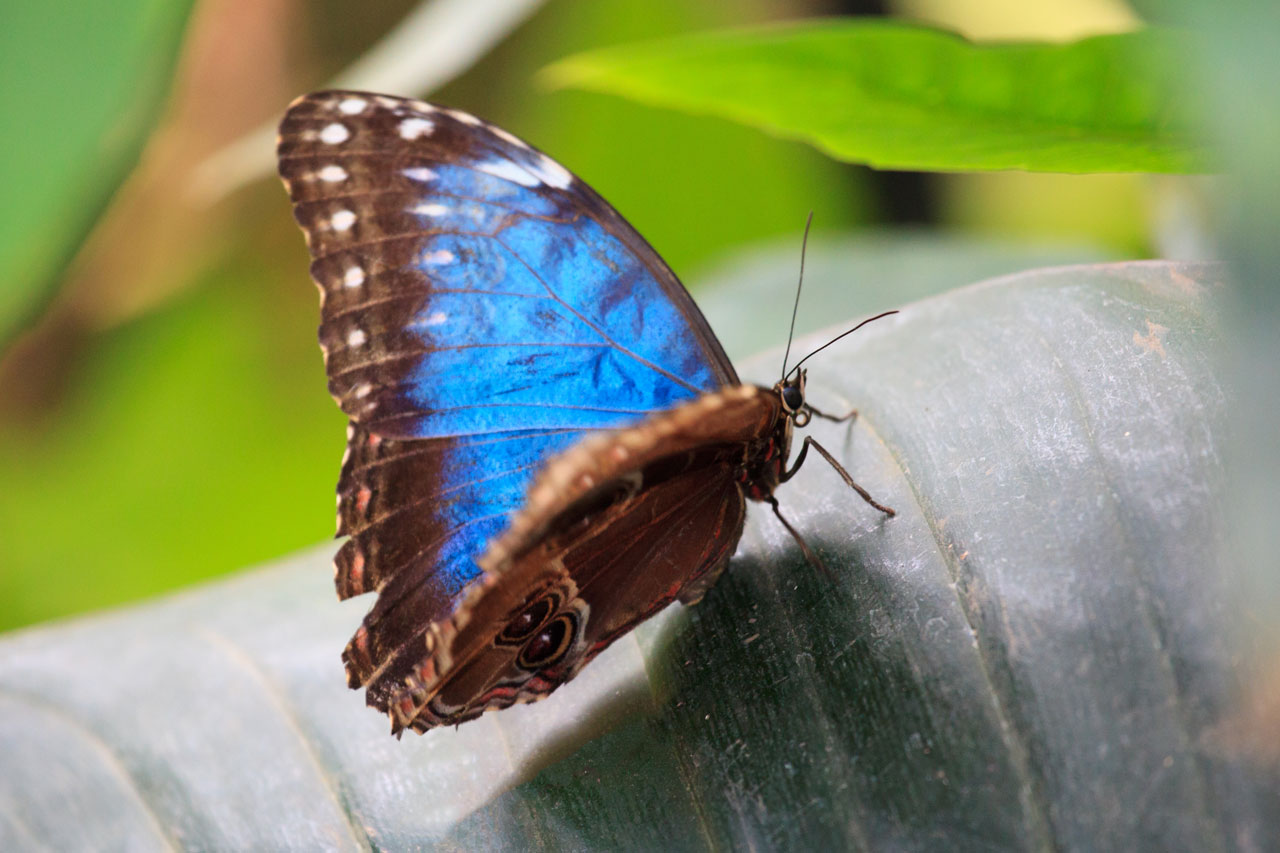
(482, 309)
(614, 530)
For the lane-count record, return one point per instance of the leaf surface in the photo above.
(1036, 652)
(900, 96)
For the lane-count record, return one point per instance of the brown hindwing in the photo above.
(613, 530)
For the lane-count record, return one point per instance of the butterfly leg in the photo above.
(844, 475)
(809, 554)
(852, 413)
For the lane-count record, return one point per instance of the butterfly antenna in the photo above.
(838, 337)
(804, 247)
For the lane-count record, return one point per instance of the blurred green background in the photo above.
(163, 412)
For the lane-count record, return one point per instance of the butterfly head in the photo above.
(790, 392)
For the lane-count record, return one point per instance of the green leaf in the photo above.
(1036, 653)
(897, 96)
(84, 83)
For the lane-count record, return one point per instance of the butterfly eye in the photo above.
(792, 398)
(550, 644)
(528, 621)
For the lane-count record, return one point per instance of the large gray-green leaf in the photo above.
(1040, 650)
(1036, 653)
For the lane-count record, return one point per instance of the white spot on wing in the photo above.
(412, 128)
(420, 173)
(356, 338)
(363, 390)
(551, 172)
(352, 106)
(436, 319)
(332, 174)
(438, 257)
(354, 277)
(509, 138)
(335, 133)
(508, 171)
(430, 209)
(465, 118)
(342, 220)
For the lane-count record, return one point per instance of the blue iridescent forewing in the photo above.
(482, 309)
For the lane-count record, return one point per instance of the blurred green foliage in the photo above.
(199, 437)
(1232, 74)
(192, 441)
(82, 84)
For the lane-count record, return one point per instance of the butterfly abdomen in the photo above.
(766, 458)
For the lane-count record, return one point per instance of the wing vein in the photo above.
(624, 350)
(404, 507)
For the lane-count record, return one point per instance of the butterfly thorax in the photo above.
(765, 460)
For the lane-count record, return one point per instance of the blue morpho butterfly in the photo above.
(547, 443)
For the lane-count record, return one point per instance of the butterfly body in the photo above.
(547, 443)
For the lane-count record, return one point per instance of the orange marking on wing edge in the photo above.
(427, 671)
(356, 575)
(499, 693)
